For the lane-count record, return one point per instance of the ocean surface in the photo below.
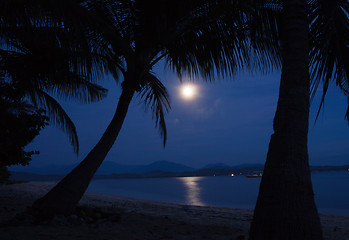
(331, 190)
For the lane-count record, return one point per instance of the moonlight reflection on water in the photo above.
(193, 190)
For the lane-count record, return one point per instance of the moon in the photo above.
(189, 91)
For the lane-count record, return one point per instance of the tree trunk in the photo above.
(285, 206)
(64, 197)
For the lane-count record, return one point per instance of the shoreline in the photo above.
(141, 219)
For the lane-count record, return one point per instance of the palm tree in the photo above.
(43, 52)
(285, 207)
(198, 37)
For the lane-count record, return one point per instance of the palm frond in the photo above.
(65, 30)
(155, 97)
(263, 26)
(53, 75)
(56, 114)
(225, 39)
(79, 89)
(329, 46)
(112, 24)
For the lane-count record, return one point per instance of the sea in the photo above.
(331, 190)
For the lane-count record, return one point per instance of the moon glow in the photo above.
(188, 91)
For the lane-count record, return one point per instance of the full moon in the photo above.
(188, 91)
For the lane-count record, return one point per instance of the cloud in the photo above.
(205, 110)
(174, 121)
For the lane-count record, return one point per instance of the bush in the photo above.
(20, 123)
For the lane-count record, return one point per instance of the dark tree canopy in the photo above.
(50, 56)
(20, 123)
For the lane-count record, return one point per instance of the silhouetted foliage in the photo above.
(45, 49)
(20, 123)
(329, 46)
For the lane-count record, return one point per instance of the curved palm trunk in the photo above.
(285, 207)
(64, 197)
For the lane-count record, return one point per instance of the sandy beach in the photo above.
(111, 217)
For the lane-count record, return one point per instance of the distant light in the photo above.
(232, 174)
(189, 91)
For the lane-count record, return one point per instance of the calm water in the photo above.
(331, 190)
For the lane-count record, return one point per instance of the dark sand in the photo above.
(124, 218)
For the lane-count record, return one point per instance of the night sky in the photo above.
(230, 122)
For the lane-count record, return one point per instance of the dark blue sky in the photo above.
(230, 122)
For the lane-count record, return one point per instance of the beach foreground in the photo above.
(110, 217)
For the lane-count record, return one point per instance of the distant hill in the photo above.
(329, 168)
(217, 166)
(165, 166)
(107, 167)
(252, 165)
(225, 166)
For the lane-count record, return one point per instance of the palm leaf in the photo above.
(155, 97)
(226, 42)
(79, 89)
(56, 114)
(55, 77)
(329, 52)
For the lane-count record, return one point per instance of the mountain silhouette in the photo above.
(107, 167)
